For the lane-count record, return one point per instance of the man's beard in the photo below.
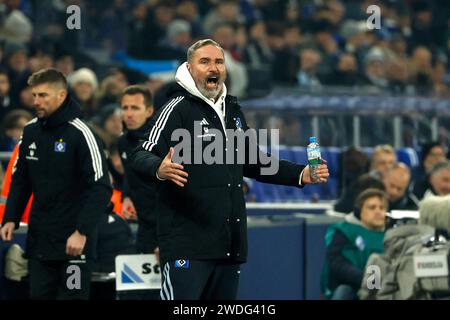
(211, 94)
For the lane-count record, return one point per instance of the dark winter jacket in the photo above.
(61, 162)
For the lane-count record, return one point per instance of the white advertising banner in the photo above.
(137, 272)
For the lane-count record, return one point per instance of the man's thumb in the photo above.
(170, 154)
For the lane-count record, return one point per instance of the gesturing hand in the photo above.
(322, 174)
(169, 170)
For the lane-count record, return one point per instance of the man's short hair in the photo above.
(370, 193)
(444, 164)
(383, 148)
(139, 89)
(199, 44)
(48, 76)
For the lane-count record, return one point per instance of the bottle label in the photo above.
(314, 162)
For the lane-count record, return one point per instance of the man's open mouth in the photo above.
(213, 80)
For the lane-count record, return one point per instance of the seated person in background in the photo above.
(350, 243)
(346, 203)
(439, 180)
(11, 130)
(432, 153)
(396, 182)
(383, 158)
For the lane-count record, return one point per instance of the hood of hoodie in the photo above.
(184, 78)
(69, 110)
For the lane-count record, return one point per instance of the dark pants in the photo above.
(146, 238)
(200, 280)
(61, 280)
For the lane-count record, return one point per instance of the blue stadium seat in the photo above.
(408, 156)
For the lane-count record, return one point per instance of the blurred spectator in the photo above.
(227, 12)
(11, 130)
(346, 72)
(345, 203)
(421, 70)
(188, 11)
(177, 40)
(307, 74)
(357, 38)
(374, 69)
(65, 63)
(327, 46)
(276, 41)
(15, 26)
(432, 153)
(396, 181)
(354, 163)
(109, 127)
(439, 180)
(108, 123)
(5, 99)
(41, 58)
(139, 27)
(257, 53)
(236, 72)
(440, 88)
(83, 83)
(16, 61)
(26, 100)
(159, 19)
(383, 159)
(111, 87)
(427, 26)
(110, 26)
(350, 243)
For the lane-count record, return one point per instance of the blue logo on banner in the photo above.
(129, 276)
(238, 123)
(60, 146)
(182, 263)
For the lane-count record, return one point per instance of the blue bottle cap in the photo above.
(312, 139)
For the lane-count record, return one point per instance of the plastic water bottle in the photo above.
(314, 158)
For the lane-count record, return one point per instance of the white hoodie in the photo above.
(184, 79)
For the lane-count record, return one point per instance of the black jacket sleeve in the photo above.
(341, 270)
(97, 193)
(148, 156)
(268, 168)
(20, 190)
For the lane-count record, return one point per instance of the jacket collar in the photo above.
(66, 112)
(141, 132)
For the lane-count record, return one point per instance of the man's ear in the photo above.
(150, 111)
(188, 67)
(62, 94)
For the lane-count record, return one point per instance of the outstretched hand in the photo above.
(169, 170)
(322, 174)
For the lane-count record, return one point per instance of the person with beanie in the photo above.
(83, 83)
(350, 243)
